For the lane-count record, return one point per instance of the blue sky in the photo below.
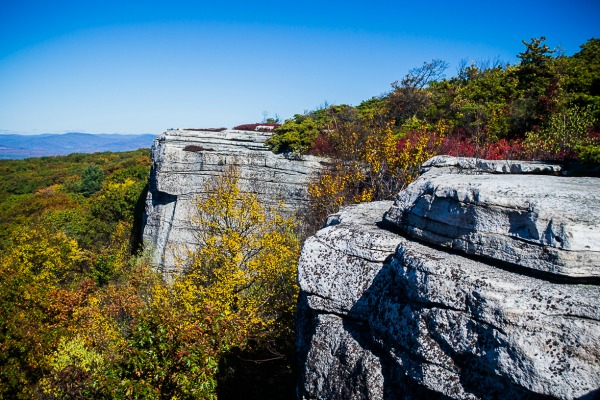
(145, 66)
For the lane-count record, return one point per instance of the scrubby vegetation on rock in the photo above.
(257, 126)
(545, 107)
(206, 129)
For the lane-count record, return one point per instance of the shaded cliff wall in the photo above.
(184, 160)
(477, 284)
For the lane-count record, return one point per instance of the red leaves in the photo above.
(505, 150)
(460, 145)
(322, 146)
(64, 302)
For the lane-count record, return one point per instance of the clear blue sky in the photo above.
(145, 66)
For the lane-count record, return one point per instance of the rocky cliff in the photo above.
(184, 160)
(480, 281)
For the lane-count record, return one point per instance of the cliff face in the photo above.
(184, 160)
(481, 282)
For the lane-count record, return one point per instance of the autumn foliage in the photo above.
(83, 312)
(252, 127)
(243, 264)
(82, 315)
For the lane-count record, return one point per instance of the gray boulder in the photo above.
(384, 316)
(542, 222)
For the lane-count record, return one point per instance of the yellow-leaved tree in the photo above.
(244, 261)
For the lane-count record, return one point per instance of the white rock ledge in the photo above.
(511, 314)
(545, 223)
(383, 317)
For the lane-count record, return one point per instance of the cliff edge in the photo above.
(183, 161)
(480, 281)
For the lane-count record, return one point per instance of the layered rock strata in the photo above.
(545, 223)
(387, 311)
(185, 160)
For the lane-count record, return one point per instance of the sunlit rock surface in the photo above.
(388, 312)
(543, 222)
(184, 160)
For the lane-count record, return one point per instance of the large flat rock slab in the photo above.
(358, 241)
(507, 212)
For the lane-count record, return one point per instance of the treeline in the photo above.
(86, 195)
(545, 107)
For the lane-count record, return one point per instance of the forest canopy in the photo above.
(84, 314)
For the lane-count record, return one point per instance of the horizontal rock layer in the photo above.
(541, 222)
(184, 160)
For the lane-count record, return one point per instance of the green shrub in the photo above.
(91, 180)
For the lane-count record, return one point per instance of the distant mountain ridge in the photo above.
(15, 146)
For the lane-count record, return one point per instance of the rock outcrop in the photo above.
(184, 160)
(481, 282)
(545, 223)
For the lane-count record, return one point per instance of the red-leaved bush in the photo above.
(322, 146)
(505, 150)
(460, 145)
